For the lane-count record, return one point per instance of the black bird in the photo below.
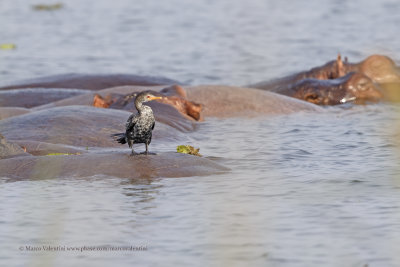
(139, 126)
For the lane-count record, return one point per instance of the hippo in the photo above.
(218, 101)
(71, 141)
(78, 126)
(331, 70)
(164, 112)
(230, 101)
(106, 163)
(353, 87)
(379, 68)
(89, 81)
(33, 97)
(174, 96)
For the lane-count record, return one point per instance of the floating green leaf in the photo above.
(48, 7)
(186, 149)
(7, 46)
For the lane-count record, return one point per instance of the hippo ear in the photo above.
(340, 71)
(100, 102)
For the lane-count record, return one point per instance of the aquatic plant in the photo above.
(187, 149)
(48, 7)
(8, 46)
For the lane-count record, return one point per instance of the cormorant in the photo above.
(139, 126)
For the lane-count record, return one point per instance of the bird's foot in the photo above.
(148, 153)
(134, 154)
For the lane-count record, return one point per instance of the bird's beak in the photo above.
(154, 97)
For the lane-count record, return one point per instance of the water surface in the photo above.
(304, 190)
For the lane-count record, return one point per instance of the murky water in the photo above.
(304, 190)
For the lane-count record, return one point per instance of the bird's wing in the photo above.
(130, 123)
(152, 126)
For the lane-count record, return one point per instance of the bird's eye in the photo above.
(148, 96)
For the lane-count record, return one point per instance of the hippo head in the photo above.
(353, 87)
(319, 92)
(321, 96)
(361, 89)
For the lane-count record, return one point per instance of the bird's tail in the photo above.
(119, 137)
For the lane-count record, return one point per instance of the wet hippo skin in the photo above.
(89, 81)
(84, 132)
(7, 112)
(379, 68)
(163, 112)
(229, 101)
(33, 97)
(116, 164)
(80, 126)
(353, 87)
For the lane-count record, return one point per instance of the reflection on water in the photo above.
(305, 189)
(141, 193)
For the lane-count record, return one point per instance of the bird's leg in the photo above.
(147, 148)
(131, 145)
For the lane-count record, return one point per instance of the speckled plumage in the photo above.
(139, 126)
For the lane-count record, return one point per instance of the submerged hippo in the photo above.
(353, 87)
(89, 81)
(331, 70)
(379, 68)
(74, 141)
(33, 97)
(174, 96)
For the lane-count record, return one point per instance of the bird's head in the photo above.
(146, 97)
